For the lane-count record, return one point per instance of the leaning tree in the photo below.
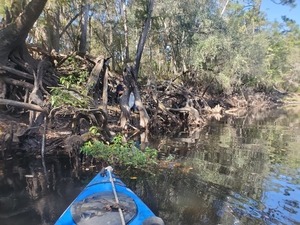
(22, 76)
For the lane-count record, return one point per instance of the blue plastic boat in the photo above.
(106, 200)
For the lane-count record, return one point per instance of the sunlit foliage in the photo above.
(121, 153)
(229, 42)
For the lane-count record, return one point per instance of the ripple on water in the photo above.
(279, 204)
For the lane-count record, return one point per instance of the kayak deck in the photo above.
(96, 205)
(102, 207)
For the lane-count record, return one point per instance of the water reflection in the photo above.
(234, 171)
(282, 194)
(245, 171)
(29, 196)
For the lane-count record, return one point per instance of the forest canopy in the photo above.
(228, 41)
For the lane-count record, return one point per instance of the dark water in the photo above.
(233, 171)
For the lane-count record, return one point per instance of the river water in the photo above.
(242, 170)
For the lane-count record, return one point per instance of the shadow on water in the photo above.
(233, 171)
(29, 196)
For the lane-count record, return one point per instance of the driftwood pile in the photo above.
(161, 107)
(175, 105)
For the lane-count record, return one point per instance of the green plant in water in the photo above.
(120, 153)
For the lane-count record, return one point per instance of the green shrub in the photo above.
(121, 154)
(64, 97)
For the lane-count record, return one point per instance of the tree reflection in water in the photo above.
(232, 178)
(28, 196)
(233, 171)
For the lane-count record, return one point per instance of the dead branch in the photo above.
(20, 74)
(17, 83)
(94, 76)
(69, 24)
(104, 91)
(22, 105)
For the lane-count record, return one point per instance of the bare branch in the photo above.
(22, 105)
(69, 24)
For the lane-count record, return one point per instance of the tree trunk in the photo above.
(36, 96)
(130, 78)
(94, 78)
(13, 36)
(125, 110)
(105, 91)
(21, 64)
(131, 86)
(69, 24)
(144, 117)
(84, 29)
(143, 38)
(52, 29)
(125, 31)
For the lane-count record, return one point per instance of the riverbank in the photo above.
(164, 120)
